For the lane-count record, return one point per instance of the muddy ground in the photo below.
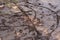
(29, 20)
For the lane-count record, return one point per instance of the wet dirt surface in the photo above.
(30, 20)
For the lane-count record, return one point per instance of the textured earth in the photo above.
(30, 20)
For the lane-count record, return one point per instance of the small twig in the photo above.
(27, 17)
